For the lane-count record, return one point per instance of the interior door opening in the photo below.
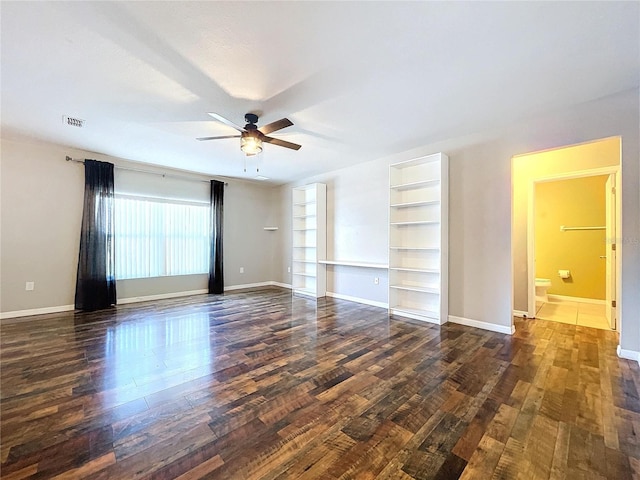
(590, 284)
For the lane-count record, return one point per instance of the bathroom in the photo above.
(571, 250)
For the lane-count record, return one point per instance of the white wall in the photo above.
(357, 208)
(480, 267)
(41, 199)
(248, 208)
(41, 203)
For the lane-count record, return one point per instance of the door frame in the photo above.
(531, 246)
(611, 253)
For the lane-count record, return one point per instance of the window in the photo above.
(156, 237)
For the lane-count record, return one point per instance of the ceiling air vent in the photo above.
(73, 122)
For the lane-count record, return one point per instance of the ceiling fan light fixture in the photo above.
(252, 137)
(250, 143)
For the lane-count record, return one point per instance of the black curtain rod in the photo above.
(168, 175)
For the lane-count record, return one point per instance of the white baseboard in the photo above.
(125, 301)
(161, 296)
(565, 298)
(493, 327)
(365, 301)
(269, 283)
(247, 285)
(36, 311)
(628, 354)
(521, 313)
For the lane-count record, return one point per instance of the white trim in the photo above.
(521, 313)
(493, 327)
(628, 354)
(124, 301)
(269, 283)
(37, 311)
(365, 301)
(247, 285)
(592, 172)
(531, 246)
(565, 298)
(161, 296)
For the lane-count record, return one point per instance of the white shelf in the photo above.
(412, 185)
(434, 249)
(349, 263)
(418, 238)
(419, 222)
(418, 162)
(309, 233)
(417, 270)
(408, 288)
(303, 274)
(271, 229)
(415, 204)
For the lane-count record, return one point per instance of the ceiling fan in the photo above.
(251, 137)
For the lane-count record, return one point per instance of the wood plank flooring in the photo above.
(263, 385)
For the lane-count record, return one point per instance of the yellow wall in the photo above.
(573, 202)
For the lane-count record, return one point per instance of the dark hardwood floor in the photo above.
(259, 385)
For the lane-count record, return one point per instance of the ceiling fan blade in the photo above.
(220, 118)
(274, 126)
(216, 138)
(281, 143)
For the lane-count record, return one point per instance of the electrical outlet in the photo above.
(289, 269)
(376, 281)
(241, 269)
(29, 286)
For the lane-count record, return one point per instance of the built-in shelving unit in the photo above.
(418, 238)
(309, 239)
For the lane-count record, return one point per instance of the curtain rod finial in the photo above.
(68, 158)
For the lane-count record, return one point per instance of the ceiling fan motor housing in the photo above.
(251, 119)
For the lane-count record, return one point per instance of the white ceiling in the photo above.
(359, 80)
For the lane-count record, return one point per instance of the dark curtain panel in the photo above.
(96, 283)
(216, 276)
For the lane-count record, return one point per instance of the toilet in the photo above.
(542, 284)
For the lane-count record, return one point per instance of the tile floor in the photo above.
(575, 313)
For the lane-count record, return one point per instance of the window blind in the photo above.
(156, 237)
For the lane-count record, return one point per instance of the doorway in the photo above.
(572, 221)
(599, 158)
